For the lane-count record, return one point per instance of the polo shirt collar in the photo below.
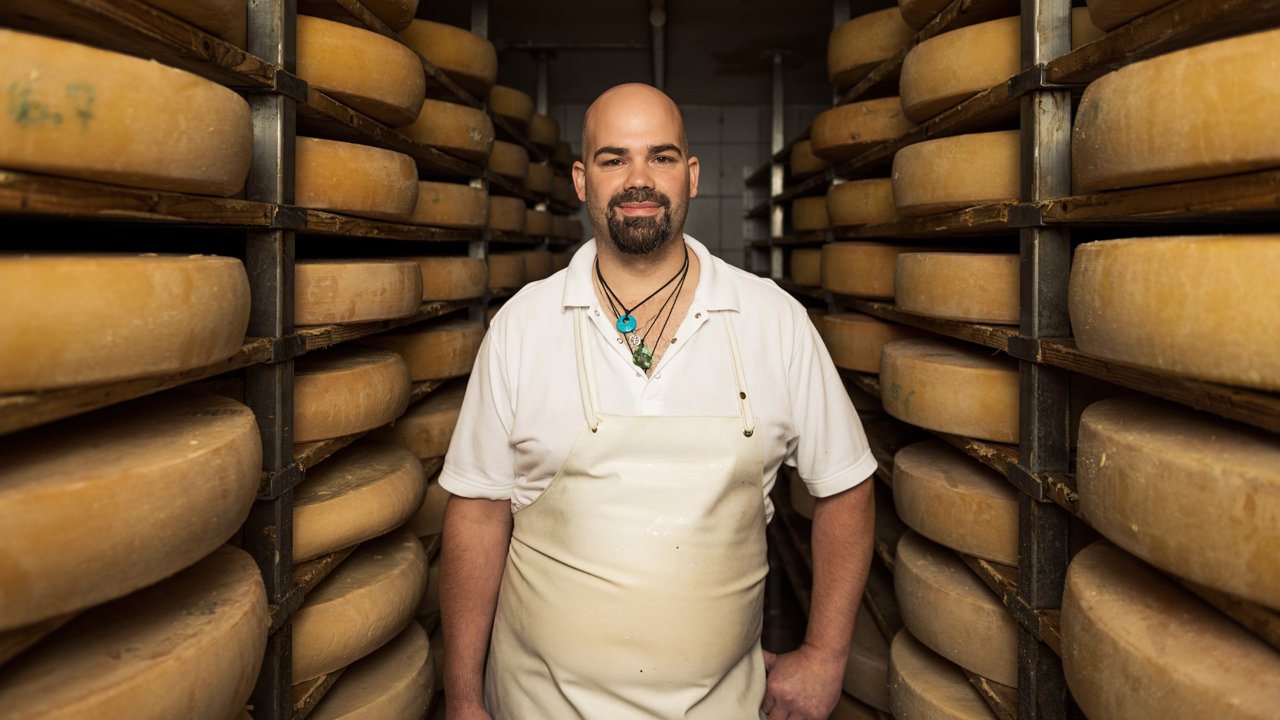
(715, 291)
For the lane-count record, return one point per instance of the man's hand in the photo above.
(802, 685)
(465, 712)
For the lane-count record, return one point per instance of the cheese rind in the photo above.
(866, 674)
(857, 46)
(393, 683)
(506, 271)
(452, 278)
(469, 59)
(456, 129)
(804, 162)
(537, 223)
(537, 264)
(348, 291)
(1201, 306)
(544, 131)
(227, 19)
(450, 205)
(806, 267)
(90, 508)
(808, 214)
(426, 428)
(509, 160)
(512, 105)
(925, 686)
(957, 172)
(856, 341)
(973, 287)
(364, 491)
(507, 214)
(1135, 645)
(918, 13)
(354, 179)
(81, 112)
(844, 131)
(861, 269)
(82, 319)
(539, 178)
(188, 647)
(1196, 113)
(397, 14)
(943, 386)
(347, 390)
(952, 612)
(430, 604)
(1214, 530)
(429, 520)
(433, 352)
(1111, 14)
(862, 202)
(371, 73)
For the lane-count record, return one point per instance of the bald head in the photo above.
(630, 105)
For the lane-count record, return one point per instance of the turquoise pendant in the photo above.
(626, 323)
(642, 357)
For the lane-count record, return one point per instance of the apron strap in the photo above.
(744, 402)
(586, 371)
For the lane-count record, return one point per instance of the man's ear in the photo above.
(693, 176)
(580, 179)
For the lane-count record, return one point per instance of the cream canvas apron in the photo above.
(634, 584)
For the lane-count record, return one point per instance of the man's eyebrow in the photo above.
(609, 150)
(622, 152)
(659, 149)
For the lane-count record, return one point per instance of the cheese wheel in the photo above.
(539, 178)
(544, 131)
(506, 271)
(808, 214)
(188, 647)
(802, 501)
(918, 13)
(1135, 645)
(456, 129)
(437, 640)
(957, 502)
(429, 519)
(370, 72)
(397, 14)
(512, 105)
(957, 172)
(509, 160)
(560, 260)
(861, 269)
(506, 214)
(1195, 113)
(862, 202)
(430, 603)
(1111, 14)
(347, 291)
(90, 508)
(436, 351)
(452, 278)
(450, 205)
(848, 708)
(573, 231)
(537, 264)
(855, 341)
(363, 491)
(467, 58)
(973, 287)
(227, 19)
(562, 189)
(537, 223)
(806, 267)
(924, 686)
(563, 156)
(857, 46)
(392, 683)
(951, 611)
(1133, 450)
(83, 319)
(804, 162)
(354, 179)
(93, 114)
(866, 674)
(347, 390)
(559, 226)
(364, 603)
(1206, 307)
(426, 428)
(947, 387)
(845, 131)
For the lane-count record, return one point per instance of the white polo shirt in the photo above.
(523, 409)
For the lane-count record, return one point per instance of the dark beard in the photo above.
(639, 235)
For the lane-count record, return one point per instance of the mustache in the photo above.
(640, 195)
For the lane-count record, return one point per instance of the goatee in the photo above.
(639, 235)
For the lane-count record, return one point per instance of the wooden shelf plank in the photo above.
(801, 239)
(321, 222)
(316, 337)
(992, 336)
(307, 575)
(759, 211)
(1236, 198)
(1261, 621)
(351, 12)
(307, 695)
(813, 293)
(13, 642)
(1002, 699)
(881, 601)
(982, 219)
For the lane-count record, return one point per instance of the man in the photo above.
(605, 545)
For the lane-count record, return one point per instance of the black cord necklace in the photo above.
(626, 322)
(641, 353)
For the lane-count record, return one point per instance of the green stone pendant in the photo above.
(642, 356)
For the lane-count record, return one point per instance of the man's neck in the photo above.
(633, 277)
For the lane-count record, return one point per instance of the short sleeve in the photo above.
(481, 462)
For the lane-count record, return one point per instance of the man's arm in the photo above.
(806, 684)
(477, 533)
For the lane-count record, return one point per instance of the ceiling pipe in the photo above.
(658, 24)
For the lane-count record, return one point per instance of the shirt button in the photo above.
(658, 376)
(619, 341)
(638, 375)
(697, 315)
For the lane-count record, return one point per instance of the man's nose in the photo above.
(639, 175)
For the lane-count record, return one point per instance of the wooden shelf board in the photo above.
(1002, 699)
(1251, 196)
(316, 337)
(307, 695)
(1261, 621)
(807, 238)
(881, 601)
(759, 211)
(813, 293)
(13, 642)
(992, 336)
(307, 575)
(982, 219)
(321, 222)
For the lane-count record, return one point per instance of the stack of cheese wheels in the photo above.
(563, 191)
(507, 214)
(468, 59)
(435, 351)
(82, 319)
(946, 607)
(363, 491)
(426, 428)
(539, 179)
(802, 501)
(355, 179)
(429, 520)
(951, 499)
(450, 205)
(512, 105)
(951, 388)
(918, 13)
(394, 682)
(856, 341)
(861, 269)
(544, 132)
(509, 160)
(563, 156)
(227, 19)
(856, 46)
(1204, 307)
(347, 291)
(560, 260)
(372, 73)
(1135, 645)
(866, 674)
(397, 14)
(809, 214)
(459, 130)
(537, 264)
(367, 601)
(862, 202)
(1111, 14)
(1195, 113)
(924, 685)
(537, 223)
(90, 508)
(347, 390)
(803, 162)
(806, 267)
(974, 287)
(429, 606)
(188, 647)
(957, 172)
(506, 271)
(452, 278)
(845, 131)
(1132, 450)
(76, 111)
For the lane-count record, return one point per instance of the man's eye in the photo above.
(613, 162)
(664, 159)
